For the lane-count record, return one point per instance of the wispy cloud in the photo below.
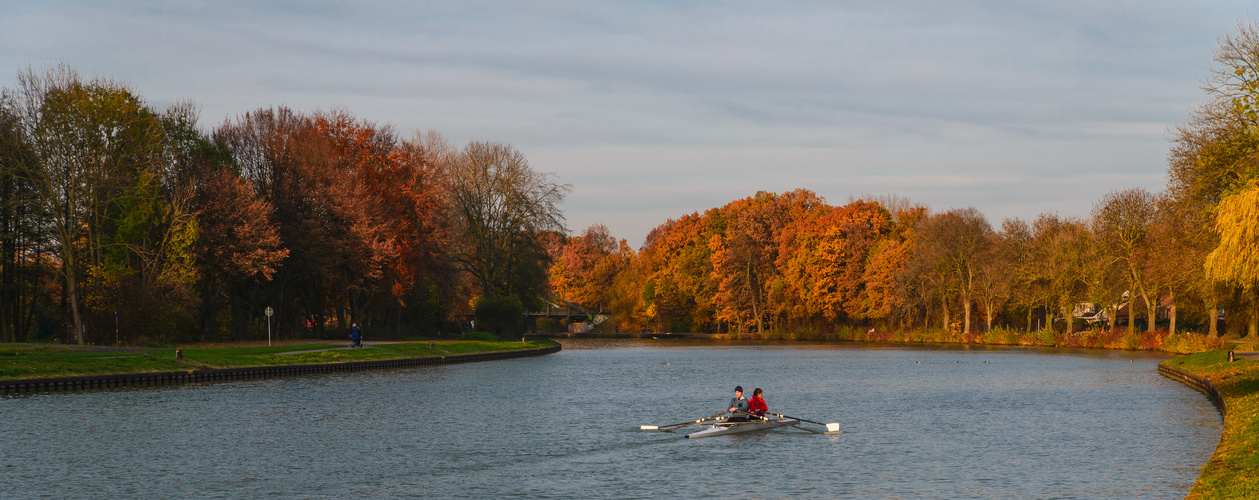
(652, 109)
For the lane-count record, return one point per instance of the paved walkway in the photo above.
(97, 348)
(366, 344)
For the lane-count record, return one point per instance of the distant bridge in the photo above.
(560, 308)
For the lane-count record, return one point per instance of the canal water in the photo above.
(930, 422)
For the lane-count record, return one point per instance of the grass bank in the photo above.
(1233, 471)
(29, 362)
(1158, 340)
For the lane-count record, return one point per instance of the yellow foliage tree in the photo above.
(1236, 259)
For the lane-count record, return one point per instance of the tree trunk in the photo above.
(1069, 319)
(966, 315)
(1213, 319)
(1151, 312)
(988, 313)
(1112, 313)
(944, 302)
(1253, 329)
(1132, 312)
(1029, 319)
(74, 309)
(1171, 313)
(1049, 317)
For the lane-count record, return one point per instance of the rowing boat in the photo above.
(723, 427)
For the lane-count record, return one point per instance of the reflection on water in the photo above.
(964, 423)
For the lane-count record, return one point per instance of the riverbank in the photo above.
(1158, 340)
(1233, 471)
(21, 362)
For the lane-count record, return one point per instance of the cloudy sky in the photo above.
(656, 109)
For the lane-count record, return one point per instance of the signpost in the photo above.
(269, 312)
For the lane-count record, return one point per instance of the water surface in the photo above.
(925, 422)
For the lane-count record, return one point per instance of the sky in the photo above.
(652, 110)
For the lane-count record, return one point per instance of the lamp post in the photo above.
(269, 312)
(117, 339)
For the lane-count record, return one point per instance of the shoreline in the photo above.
(1155, 341)
(173, 377)
(1233, 470)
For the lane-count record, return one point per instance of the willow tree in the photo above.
(502, 207)
(1236, 259)
(1217, 151)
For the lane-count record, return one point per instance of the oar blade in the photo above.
(832, 427)
(648, 427)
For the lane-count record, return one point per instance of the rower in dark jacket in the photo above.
(738, 406)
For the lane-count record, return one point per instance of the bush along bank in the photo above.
(1233, 471)
(1158, 340)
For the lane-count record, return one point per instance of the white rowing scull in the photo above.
(723, 427)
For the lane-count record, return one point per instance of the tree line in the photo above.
(790, 262)
(122, 222)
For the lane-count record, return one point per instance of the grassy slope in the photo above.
(1233, 472)
(40, 362)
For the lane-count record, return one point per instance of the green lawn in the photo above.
(1233, 472)
(23, 362)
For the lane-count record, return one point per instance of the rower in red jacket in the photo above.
(756, 405)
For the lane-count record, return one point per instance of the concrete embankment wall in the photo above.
(183, 377)
(1196, 382)
(602, 335)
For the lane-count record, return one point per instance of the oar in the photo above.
(673, 427)
(832, 427)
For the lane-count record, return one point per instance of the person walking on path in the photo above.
(738, 406)
(356, 337)
(756, 405)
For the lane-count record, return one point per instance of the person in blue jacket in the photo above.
(356, 338)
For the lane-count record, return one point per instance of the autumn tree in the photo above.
(1236, 259)
(1122, 220)
(676, 268)
(584, 266)
(955, 243)
(94, 144)
(885, 283)
(746, 254)
(996, 273)
(1023, 273)
(850, 235)
(1214, 155)
(1061, 258)
(501, 207)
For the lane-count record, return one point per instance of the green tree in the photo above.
(92, 142)
(20, 235)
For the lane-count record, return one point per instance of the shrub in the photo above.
(500, 316)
